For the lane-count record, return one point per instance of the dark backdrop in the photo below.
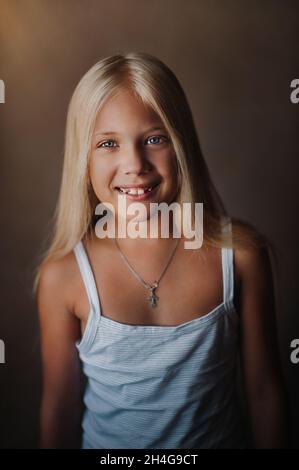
(235, 60)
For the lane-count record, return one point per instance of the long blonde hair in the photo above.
(157, 86)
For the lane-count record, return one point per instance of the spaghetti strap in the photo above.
(88, 276)
(226, 262)
(228, 268)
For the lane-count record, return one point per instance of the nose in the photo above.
(134, 160)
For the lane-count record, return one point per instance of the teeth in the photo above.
(135, 191)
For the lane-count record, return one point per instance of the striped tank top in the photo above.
(167, 387)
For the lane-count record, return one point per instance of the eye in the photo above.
(103, 144)
(110, 143)
(157, 137)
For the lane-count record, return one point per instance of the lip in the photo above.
(140, 197)
(136, 185)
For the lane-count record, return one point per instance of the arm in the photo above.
(62, 384)
(263, 379)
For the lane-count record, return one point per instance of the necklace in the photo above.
(153, 298)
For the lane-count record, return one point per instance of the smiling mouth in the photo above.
(136, 191)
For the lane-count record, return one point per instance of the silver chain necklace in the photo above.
(152, 287)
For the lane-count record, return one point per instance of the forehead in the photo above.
(124, 110)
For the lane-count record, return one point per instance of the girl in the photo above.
(157, 328)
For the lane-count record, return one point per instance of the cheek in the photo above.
(169, 166)
(100, 173)
(171, 174)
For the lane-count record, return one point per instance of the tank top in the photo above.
(167, 387)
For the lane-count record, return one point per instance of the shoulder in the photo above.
(56, 281)
(254, 268)
(251, 247)
(253, 265)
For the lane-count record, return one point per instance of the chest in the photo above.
(191, 287)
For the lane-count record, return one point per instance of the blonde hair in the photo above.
(157, 86)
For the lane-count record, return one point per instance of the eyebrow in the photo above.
(154, 128)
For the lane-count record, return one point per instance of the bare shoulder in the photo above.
(56, 283)
(250, 260)
(251, 248)
(254, 266)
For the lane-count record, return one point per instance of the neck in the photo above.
(143, 236)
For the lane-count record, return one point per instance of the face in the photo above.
(131, 147)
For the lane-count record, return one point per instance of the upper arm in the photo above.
(259, 344)
(59, 330)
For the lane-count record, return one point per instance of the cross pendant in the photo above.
(153, 297)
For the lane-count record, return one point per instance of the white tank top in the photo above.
(167, 387)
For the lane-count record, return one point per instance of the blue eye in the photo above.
(155, 137)
(106, 142)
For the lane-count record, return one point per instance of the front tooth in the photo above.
(132, 191)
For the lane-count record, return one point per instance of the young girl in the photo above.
(159, 329)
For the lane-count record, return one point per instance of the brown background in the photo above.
(235, 60)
